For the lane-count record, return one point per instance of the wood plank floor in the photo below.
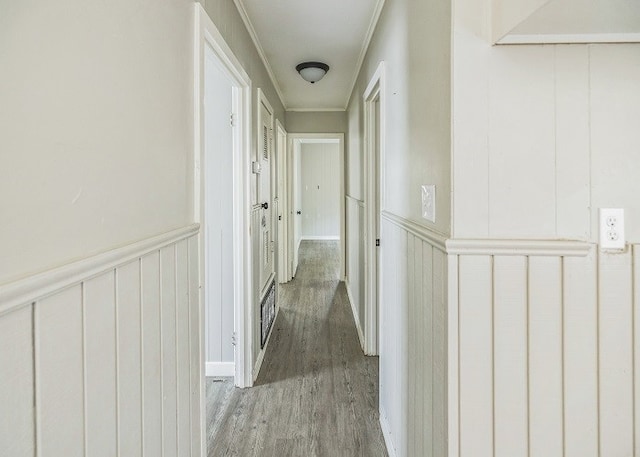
(317, 394)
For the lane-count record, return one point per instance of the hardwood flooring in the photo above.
(317, 394)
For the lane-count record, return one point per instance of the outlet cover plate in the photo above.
(429, 202)
(612, 228)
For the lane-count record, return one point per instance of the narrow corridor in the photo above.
(317, 394)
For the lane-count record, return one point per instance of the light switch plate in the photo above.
(429, 202)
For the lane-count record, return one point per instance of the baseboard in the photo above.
(220, 369)
(386, 433)
(320, 238)
(355, 313)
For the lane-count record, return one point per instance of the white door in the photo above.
(218, 220)
(265, 197)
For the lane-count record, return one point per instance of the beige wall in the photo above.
(413, 39)
(544, 136)
(95, 127)
(316, 122)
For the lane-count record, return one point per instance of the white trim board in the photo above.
(23, 292)
(356, 319)
(226, 369)
(386, 434)
(208, 36)
(436, 239)
(256, 42)
(365, 47)
(320, 238)
(519, 247)
(300, 138)
(374, 192)
(584, 38)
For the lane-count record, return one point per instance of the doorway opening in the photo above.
(221, 204)
(316, 202)
(374, 197)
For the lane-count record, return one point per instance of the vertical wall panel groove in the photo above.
(439, 377)
(116, 348)
(182, 349)
(17, 419)
(100, 365)
(168, 349)
(151, 344)
(194, 345)
(615, 320)
(476, 356)
(128, 299)
(59, 374)
(636, 350)
(545, 356)
(510, 359)
(580, 356)
(412, 346)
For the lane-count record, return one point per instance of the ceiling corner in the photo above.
(365, 47)
(254, 37)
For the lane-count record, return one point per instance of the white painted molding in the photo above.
(365, 47)
(436, 239)
(453, 348)
(359, 202)
(386, 434)
(226, 369)
(25, 291)
(570, 38)
(317, 110)
(356, 319)
(519, 247)
(254, 37)
(320, 238)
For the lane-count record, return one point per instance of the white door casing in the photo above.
(209, 41)
(283, 207)
(374, 125)
(295, 194)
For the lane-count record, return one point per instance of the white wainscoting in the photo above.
(413, 369)
(102, 357)
(355, 261)
(543, 352)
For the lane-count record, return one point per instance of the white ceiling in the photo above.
(288, 32)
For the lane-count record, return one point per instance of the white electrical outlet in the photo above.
(429, 202)
(612, 228)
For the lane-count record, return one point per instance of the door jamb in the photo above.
(375, 91)
(283, 203)
(207, 35)
(300, 137)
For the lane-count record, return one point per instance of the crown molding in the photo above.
(254, 37)
(315, 110)
(365, 47)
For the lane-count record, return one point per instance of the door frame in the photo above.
(374, 135)
(295, 139)
(282, 192)
(208, 36)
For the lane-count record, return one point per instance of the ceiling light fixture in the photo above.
(312, 71)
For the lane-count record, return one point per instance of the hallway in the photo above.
(317, 394)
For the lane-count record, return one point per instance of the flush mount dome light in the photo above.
(312, 71)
